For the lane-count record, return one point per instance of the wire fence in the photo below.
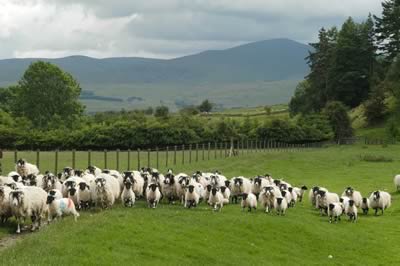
(169, 156)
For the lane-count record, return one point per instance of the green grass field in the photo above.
(172, 235)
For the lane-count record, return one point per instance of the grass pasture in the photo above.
(172, 235)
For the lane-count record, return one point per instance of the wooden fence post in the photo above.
(148, 158)
(203, 147)
(89, 157)
(38, 158)
(166, 156)
(56, 162)
(226, 149)
(15, 156)
(73, 159)
(197, 152)
(129, 160)
(138, 159)
(157, 157)
(183, 154)
(209, 148)
(215, 150)
(220, 150)
(105, 159)
(175, 148)
(117, 155)
(190, 153)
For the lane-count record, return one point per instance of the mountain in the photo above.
(238, 76)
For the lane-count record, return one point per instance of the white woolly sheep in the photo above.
(94, 170)
(351, 210)
(106, 191)
(240, 185)
(249, 201)
(28, 202)
(380, 200)
(192, 197)
(58, 208)
(117, 175)
(335, 210)
(50, 181)
(353, 195)
(23, 168)
(217, 179)
(183, 182)
(288, 196)
(300, 192)
(293, 196)
(15, 176)
(85, 195)
(5, 208)
(312, 195)
(138, 183)
(153, 195)
(397, 182)
(323, 200)
(226, 193)
(280, 205)
(169, 187)
(258, 183)
(216, 199)
(365, 205)
(128, 196)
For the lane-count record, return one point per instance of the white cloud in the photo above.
(161, 28)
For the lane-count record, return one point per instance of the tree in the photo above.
(375, 106)
(339, 119)
(7, 98)
(392, 81)
(46, 91)
(388, 29)
(161, 112)
(267, 109)
(206, 106)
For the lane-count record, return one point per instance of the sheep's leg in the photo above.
(249, 210)
(330, 219)
(382, 211)
(376, 211)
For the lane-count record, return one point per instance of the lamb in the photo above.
(106, 191)
(280, 205)
(397, 182)
(128, 196)
(313, 194)
(323, 200)
(335, 210)
(58, 208)
(70, 189)
(240, 185)
(300, 192)
(249, 201)
(28, 202)
(153, 195)
(258, 183)
(57, 194)
(216, 199)
(380, 200)
(23, 168)
(192, 197)
(5, 208)
(351, 210)
(365, 205)
(226, 193)
(344, 201)
(353, 195)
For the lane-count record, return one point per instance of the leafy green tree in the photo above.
(46, 91)
(375, 106)
(339, 119)
(388, 29)
(7, 98)
(206, 106)
(161, 112)
(392, 81)
(301, 102)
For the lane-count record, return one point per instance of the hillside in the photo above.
(258, 73)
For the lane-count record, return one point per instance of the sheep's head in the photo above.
(244, 196)
(155, 177)
(227, 183)
(49, 179)
(238, 181)
(100, 182)
(283, 192)
(83, 186)
(279, 200)
(31, 180)
(277, 182)
(283, 187)
(223, 188)
(364, 200)
(128, 183)
(209, 188)
(214, 191)
(78, 172)
(68, 171)
(341, 200)
(13, 186)
(17, 197)
(191, 188)
(304, 188)
(331, 206)
(349, 191)
(315, 190)
(257, 181)
(92, 169)
(51, 196)
(153, 187)
(377, 195)
(16, 177)
(169, 171)
(351, 203)
(290, 189)
(70, 184)
(322, 193)
(21, 163)
(183, 181)
(127, 175)
(214, 180)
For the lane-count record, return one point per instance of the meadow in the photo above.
(173, 235)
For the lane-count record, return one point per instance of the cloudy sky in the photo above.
(162, 28)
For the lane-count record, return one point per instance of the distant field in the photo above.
(173, 235)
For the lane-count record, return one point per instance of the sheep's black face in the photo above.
(209, 188)
(322, 193)
(78, 173)
(191, 188)
(214, 191)
(238, 182)
(377, 195)
(223, 189)
(227, 183)
(364, 200)
(341, 200)
(315, 190)
(91, 169)
(283, 193)
(283, 187)
(68, 171)
(50, 199)
(277, 182)
(245, 195)
(279, 200)
(59, 175)
(15, 177)
(16, 197)
(100, 182)
(82, 186)
(21, 162)
(105, 171)
(72, 191)
(290, 189)
(304, 188)
(351, 203)
(349, 191)
(70, 184)
(257, 181)
(331, 206)
(128, 183)
(153, 187)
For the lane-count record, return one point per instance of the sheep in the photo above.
(351, 210)
(138, 182)
(57, 194)
(192, 197)
(240, 185)
(323, 200)
(312, 195)
(84, 195)
(28, 202)
(23, 168)
(380, 200)
(365, 205)
(6, 180)
(226, 193)
(169, 187)
(397, 182)
(93, 170)
(217, 179)
(51, 182)
(106, 191)
(153, 195)
(293, 196)
(216, 199)
(117, 175)
(33, 180)
(344, 201)
(67, 173)
(5, 208)
(183, 182)
(70, 189)
(280, 205)
(335, 210)
(258, 183)
(58, 208)
(300, 192)
(287, 196)
(249, 201)
(128, 196)
(15, 176)
(203, 178)
(267, 197)
(353, 195)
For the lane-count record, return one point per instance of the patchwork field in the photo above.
(174, 235)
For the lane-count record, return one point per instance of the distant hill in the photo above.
(263, 72)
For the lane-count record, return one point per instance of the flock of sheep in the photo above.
(25, 193)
